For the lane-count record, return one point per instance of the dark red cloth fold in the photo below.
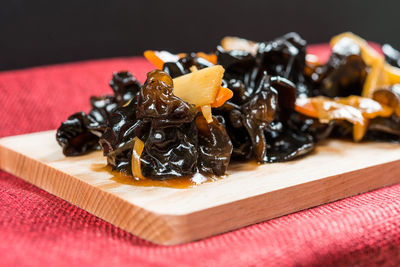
(39, 229)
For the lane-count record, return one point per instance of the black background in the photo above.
(45, 32)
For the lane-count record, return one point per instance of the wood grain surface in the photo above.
(250, 193)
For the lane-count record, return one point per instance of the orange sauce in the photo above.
(179, 183)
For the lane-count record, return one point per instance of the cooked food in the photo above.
(267, 101)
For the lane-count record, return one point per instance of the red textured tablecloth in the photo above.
(39, 229)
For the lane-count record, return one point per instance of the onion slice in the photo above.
(136, 153)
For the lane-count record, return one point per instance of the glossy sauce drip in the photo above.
(179, 183)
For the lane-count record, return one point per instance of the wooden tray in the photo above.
(249, 194)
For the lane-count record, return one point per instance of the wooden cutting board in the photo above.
(251, 193)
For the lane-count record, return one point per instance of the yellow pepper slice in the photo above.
(381, 74)
(354, 109)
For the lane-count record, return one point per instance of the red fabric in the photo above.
(39, 229)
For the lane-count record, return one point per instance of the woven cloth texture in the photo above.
(39, 229)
